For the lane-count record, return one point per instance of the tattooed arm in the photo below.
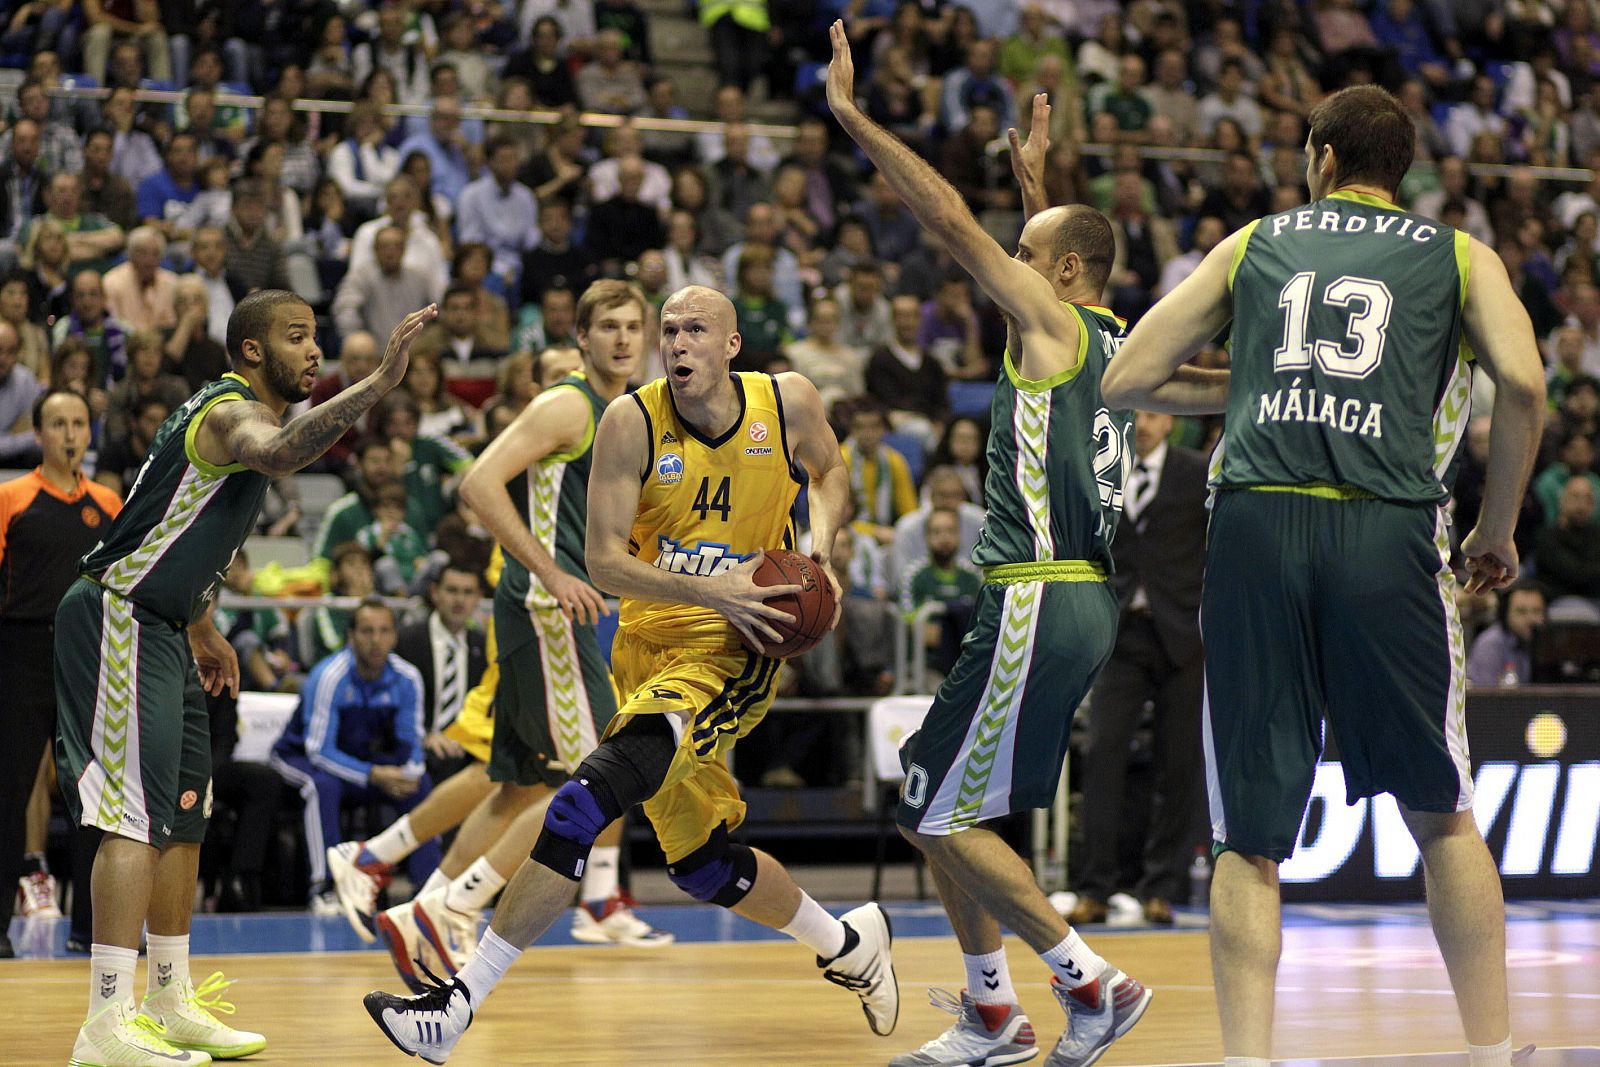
(251, 434)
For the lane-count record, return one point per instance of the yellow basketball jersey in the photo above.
(708, 504)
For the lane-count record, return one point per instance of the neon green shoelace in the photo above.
(207, 996)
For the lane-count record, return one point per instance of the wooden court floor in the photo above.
(1370, 991)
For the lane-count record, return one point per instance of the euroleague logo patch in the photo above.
(669, 468)
(189, 799)
(91, 517)
(758, 432)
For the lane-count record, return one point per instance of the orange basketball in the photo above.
(811, 608)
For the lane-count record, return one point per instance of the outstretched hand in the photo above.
(397, 357)
(841, 71)
(1028, 157)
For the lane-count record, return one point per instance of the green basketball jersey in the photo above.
(183, 519)
(1348, 365)
(1058, 458)
(553, 497)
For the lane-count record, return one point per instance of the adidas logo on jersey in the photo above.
(706, 559)
(669, 438)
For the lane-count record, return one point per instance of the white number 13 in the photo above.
(1367, 326)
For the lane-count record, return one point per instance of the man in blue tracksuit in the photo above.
(357, 737)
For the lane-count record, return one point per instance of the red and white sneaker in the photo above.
(616, 923)
(36, 896)
(1097, 1014)
(357, 885)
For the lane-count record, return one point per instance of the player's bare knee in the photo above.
(626, 769)
(1429, 826)
(720, 872)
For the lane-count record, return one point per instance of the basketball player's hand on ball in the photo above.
(736, 597)
(822, 561)
(841, 72)
(1490, 565)
(1027, 157)
(580, 601)
(214, 658)
(398, 355)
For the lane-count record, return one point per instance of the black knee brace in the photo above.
(720, 872)
(626, 769)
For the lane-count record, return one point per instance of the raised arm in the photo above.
(1028, 157)
(1499, 332)
(1020, 291)
(1149, 372)
(251, 434)
(556, 422)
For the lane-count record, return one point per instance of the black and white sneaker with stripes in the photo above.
(427, 1025)
(866, 968)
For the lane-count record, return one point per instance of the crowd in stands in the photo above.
(129, 227)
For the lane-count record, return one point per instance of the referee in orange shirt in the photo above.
(49, 519)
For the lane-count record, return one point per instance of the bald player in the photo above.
(693, 476)
(1044, 622)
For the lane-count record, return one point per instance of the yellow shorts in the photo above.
(473, 729)
(725, 693)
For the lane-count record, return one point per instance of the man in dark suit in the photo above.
(451, 657)
(1159, 553)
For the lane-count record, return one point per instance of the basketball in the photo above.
(812, 607)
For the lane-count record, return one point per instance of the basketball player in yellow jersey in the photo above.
(693, 476)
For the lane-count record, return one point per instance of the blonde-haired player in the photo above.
(694, 475)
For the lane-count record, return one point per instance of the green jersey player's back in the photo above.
(184, 518)
(553, 498)
(1348, 369)
(1058, 458)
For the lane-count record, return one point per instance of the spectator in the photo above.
(558, 171)
(97, 328)
(623, 226)
(1501, 654)
(461, 53)
(166, 195)
(1577, 461)
(138, 21)
(943, 578)
(357, 736)
(1569, 551)
(834, 367)
(146, 379)
(372, 466)
(141, 293)
(880, 478)
(761, 227)
(200, 120)
(577, 24)
(19, 388)
(1035, 38)
(864, 317)
(909, 382)
(399, 552)
(450, 655)
(406, 63)
(44, 258)
(499, 211)
(968, 165)
(1477, 115)
(134, 156)
(729, 107)
(1172, 96)
(1584, 302)
(944, 490)
(827, 183)
(1566, 345)
(33, 342)
(191, 350)
(1142, 241)
(685, 263)
(1128, 102)
(1431, 141)
(442, 415)
(375, 296)
(552, 323)
(92, 240)
(975, 83)
(666, 147)
(358, 358)
(362, 163)
(223, 289)
(541, 65)
(436, 210)
(429, 466)
(608, 83)
(423, 250)
(120, 458)
(961, 448)
(738, 39)
(103, 192)
(950, 333)
(894, 231)
(251, 254)
(625, 142)
(737, 184)
(1230, 101)
(445, 146)
(60, 151)
(1240, 198)
(493, 317)
(454, 336)
(762, 318)
(1453, 186)
(1208, 233)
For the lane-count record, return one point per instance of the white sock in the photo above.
(600, 875)
(110, 975)
(169, 959)
(1491, 1055)
(1074, 962)
(395, 843)
(487, 966)
(988, 978)
(437, 880)
(477, 885)
(816, 929)
(1246, 1061)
